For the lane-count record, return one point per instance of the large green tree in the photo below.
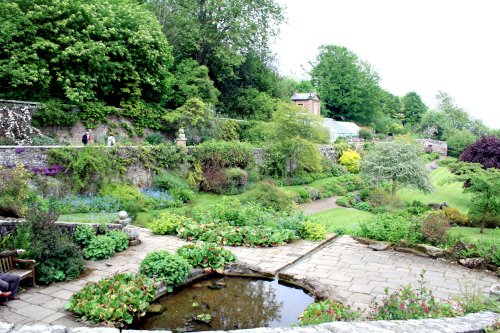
(347, 85)
(80, 50)
(218, 33)
(413, 108)
(292, 137)
(397, 162)
(484, 185)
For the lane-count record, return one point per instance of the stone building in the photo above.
(309, 101)
(434, 146)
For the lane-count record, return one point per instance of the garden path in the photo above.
(356, 274)
(319, 206)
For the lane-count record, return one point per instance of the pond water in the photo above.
(227, 303)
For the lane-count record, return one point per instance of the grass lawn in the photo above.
(89, 218)
(474, 234)
(451, 193)
(336, 218)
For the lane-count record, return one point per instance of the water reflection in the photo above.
(233, 303)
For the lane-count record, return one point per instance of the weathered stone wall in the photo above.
(8, 225)
(434, 146)
(471, 323)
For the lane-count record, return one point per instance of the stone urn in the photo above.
(123, 218)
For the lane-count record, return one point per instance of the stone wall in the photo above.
(434, 146)
(471, 323)
(8, 225)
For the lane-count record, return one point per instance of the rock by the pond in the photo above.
(380, 246)
(410, 251)
(155, 308)
(431, 251)
(134, 242)
(472, 262)
(495, 290)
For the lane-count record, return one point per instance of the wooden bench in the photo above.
(9, 265)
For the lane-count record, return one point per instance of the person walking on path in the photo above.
(111, 140)
(9, 283)
(87, 137)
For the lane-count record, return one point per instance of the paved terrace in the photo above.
(356, 274)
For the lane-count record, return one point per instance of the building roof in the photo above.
(304, 96)
(341, 127)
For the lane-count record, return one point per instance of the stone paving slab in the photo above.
(359, 275)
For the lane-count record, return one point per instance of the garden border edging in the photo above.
(471, 323)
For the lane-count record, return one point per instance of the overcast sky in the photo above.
(422, 46)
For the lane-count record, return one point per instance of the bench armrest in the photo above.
(30, 261)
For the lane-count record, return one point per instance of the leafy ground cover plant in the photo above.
(232, 223)
(101, 247)
(393, 228)
(327, 311)
(113, 301)
(406, 303)
(166, 223)
(84, 234)
(164, 266)
(206, 255)
(120, 238)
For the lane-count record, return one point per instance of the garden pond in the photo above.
(226, 303)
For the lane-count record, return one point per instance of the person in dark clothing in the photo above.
(9, 283)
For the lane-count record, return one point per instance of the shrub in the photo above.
(129, 197)
(236, 179)
(343, 201)
(454, 216)
(447, 161)
(175, 186)
(417, 208)
(163, 266)
(155, 139)
(206, 255)
(486, 151)
(271, 197)
(435, 225)
(365, 133)
(15, 193)
(166, 223)
(58, 257)
(54, 113)
(407, 303)
(83, 235)
(224, 154)
(312, 231)
(120, 238)
(351, 160)
(114, 300)
(365, 206)
(313, 193)
(325, 312)
(101, 247)
(393, 228)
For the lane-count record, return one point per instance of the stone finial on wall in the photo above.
(181, 139)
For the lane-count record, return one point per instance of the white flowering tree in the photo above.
(397, 162)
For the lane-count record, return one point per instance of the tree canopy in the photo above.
(413, 108)
(347, 85)
(396, 162)
(79, 50)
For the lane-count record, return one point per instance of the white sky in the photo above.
(422, 46)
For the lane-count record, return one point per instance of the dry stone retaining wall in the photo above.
(471, 323)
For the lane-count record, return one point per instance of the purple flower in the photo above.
(19, 150)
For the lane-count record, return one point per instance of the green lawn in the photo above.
(336, 218)
(89, 218)
(474, 234)
(452, 193)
